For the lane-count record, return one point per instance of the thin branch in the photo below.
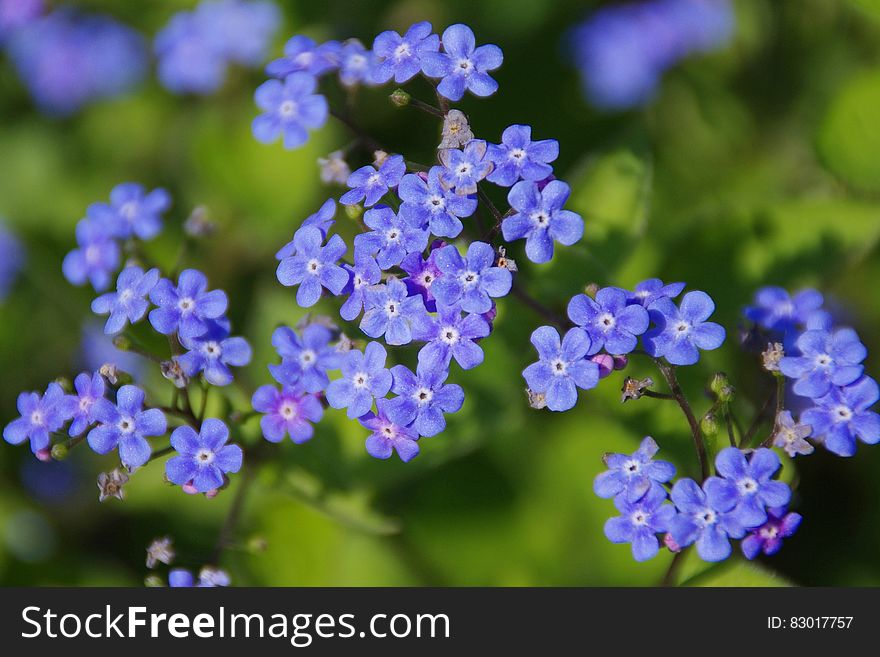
(668, 372)
(538, 307)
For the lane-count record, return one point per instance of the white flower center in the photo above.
(358, 281)
(402, 51)
(393, 235)
(824, 360)
(85, 403)
(449, 335)
(287, 410)
(307, 357)
(707, 517)
(357, 61)
(186, 304)
(287, 109)
(540, 218)
(465, 66)
(205, 456)
(37, 417)
(212, 349)
(632, 467)
(391, 308)
(436, 203)
(469, 279)
(768, 532)
(464, 169)
(313, 266)
(423, 395)
(360, 380)
(747, 486)
(559, 367)
(640, 518)
(126, 424)
(517, 154)
(93, 254)
(682, 328)
(843, 414)
(125, 295)
(128, 210)
(304, 59)
(606, 321)
(427, 278)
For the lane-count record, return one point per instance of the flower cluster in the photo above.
(161, 550)
(196, 47)
(622, 51)
(67, 59)
(822, 362)
(12, 258)
(609, 325)
(743, 501)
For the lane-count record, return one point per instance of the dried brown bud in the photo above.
(771, 356)
(537, 400)
(110, 484)
(634, 388)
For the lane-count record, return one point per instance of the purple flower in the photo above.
(423, 399)
(126, 425)
(240, 30)
(364, 274)
(842, 415)
(791, 436)
(449, 335)
(462, 65)
(754, 489)
(203, 458)
(401, 57)
(464, 168)
(302, 54)
(304, 361)
(705, 517)
(129, 302)
(472, 281)
(15, 14)
(290, 109)
(12, 258)
(212, 353)
(768, 537)
(433, 205)
(364, 378)
(96, 258)
(391, 239)
(640, 521)
(826, 359)
(776, 310)
(187, 308)
(422, 275)
(40, 417)
(630, 477)
(287, 411)
(89, 389)
(322, 220)
(540, 218)
(649, 291)
(188, 61)
(132, 211)
(354, 63)
(390, 311)
(313, 266)
(387, 436)
(681, 331)
(518, 157)
(369, 185)
(610, 322)
(562, 367)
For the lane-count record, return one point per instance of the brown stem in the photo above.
(672, 570)
(756, 422)
(366, 139)
(780, 406)
(538, 307)
(668, 372)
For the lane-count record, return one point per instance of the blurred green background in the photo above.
(756, 165)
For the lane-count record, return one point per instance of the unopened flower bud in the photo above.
(670, 543)
(198, 224)
(399, 98)
(59, 452)
(65, 383)
(153, 582)
(122, 343)
(257, 545)
(354, 211)
(44, 455)
(172, 371)
(720, 385)
(709, 425)
(605, 363)
(591, 289)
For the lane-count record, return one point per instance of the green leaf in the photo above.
(737, 573)
(849, 139)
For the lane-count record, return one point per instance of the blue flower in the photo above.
(680, 332)
(304, 361)
(562, 367)
(422, 273)
(464, 168)
(754, 489)
(96, 258)
(186, 309)
(132, 211)
(208, 578)
(826, 359)
(364, 378)
(610, 322)
(843, 415)
(240, 30)
(212, 353)
(388, 436)
(126, 425)
(41, 415)
(89, 389)
(288, 411)
(423, 399)
(540, 218)
(472, 281)
(364, 274)
(776, 310)
(705, 517)
(462, 65)
(313, 266)
(12, 257)
(390, 311)
(354, 63)
(188, 61)
(449, 335)
(322, 220)
(369, 185)
(631, 476)
(649, 291)
(15, 14)
(302, 54)
(767, 538)
(518, 157)
(203, 458)
(791, 436)
(640, 521)
(129, 302)
(401, 57)
(429, 203)
(290, 109)
(391, 238)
